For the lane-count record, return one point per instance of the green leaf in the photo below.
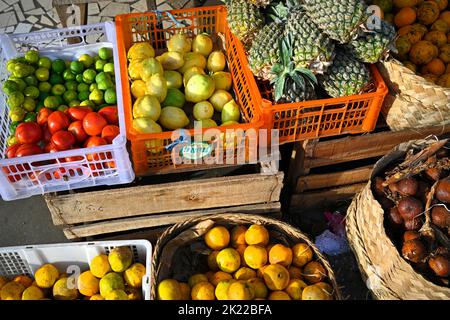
(308, 73)
(298, 79)
(277, 69)
(279, 87)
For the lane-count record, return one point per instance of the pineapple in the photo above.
(346, 76)
(373, 45)
(261, 3)
(244, 19)
(339, 19)
(312, 49)
(265, 53)
(291, 83)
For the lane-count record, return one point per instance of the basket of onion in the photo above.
(399, 225)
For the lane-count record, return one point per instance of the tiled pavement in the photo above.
(23, 16)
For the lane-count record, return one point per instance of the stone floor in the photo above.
(24, 16)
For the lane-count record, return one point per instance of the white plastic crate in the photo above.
(103, 165)
(71, 257)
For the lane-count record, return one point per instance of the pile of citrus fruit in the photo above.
(244, 265)
(110, 277)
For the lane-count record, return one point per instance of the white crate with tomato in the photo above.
(61, 124)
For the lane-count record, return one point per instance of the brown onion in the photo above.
(414, 250)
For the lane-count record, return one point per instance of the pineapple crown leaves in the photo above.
(286, 69)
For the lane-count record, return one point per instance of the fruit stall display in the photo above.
(61, 124)
(316, 74)
(408, 201)
(250, 258)
(419, 77)
(114, 270)
(188, 71)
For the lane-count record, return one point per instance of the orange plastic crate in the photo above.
(148, 150)
(321, 118)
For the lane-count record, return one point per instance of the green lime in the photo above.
(22, 70)
(58, 90)
(87, 60)
(109, 68)
(89, 75)
(32, 56)
(10, 65)
(30, 117)
(104, 81)
(96, 96)
(9, 87)
(12, 127)
(92, 87)
(74, 103)
(79, 78)
(68, 75)
(63, 108)
(87, 103)
(174, 98)
(110, 96)
(22, 84)
(17, 114)
(105, 53)
(42, 74)
(56, 79)
(72, 85)
(58, 66)
(31, 80)
(100, 64)
(70, 95)
(82, 87)
(77, 67)
(29, 104)
(43, 95)
(32, 92)
(44, 86)
(83, 95)
(15, 99)
(51, 102)
(45, 62)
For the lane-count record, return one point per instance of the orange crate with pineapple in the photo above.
(180, 66)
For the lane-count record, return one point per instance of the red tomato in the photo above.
(43, 116)
(94, 142)
(57, 121)
(50, 148)
(28, 132)
(93, 123)
(110, 114)
(76, 128)
(28, 149)
(47, 135)
(63, 140)
(11, 151)
(109, 132)
(78, 113)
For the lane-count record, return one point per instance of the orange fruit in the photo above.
(197, 278)
(24, 280)
(404, 17)
(315, 292)
(444, 53)
(221, 291)
(314, 272)
(435, 66)
(279, 295)
(280, 254)
(437, 38)
(228, 260)
(240, 290)
(301, 254)
(255, 256)
(220, 276)
(212, 263)
(88, 285)
(203, 291)
(428, 12)
(185, 291)
(276, 277)
(259, 287)
(217, 238)
(440, 25)
(241, 249)
(446, 17)
(423, 52)
(295, 272)
(245, 273)
(238, 236)
(295, 289)
(257, 235)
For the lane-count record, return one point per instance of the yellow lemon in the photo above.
(134, 274)
(46, 276)
(169, 289)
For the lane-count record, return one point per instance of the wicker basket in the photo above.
(387, 274)
(205, 223)
(413, 102)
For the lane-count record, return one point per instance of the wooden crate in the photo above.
(89, 213)
(325, 171)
